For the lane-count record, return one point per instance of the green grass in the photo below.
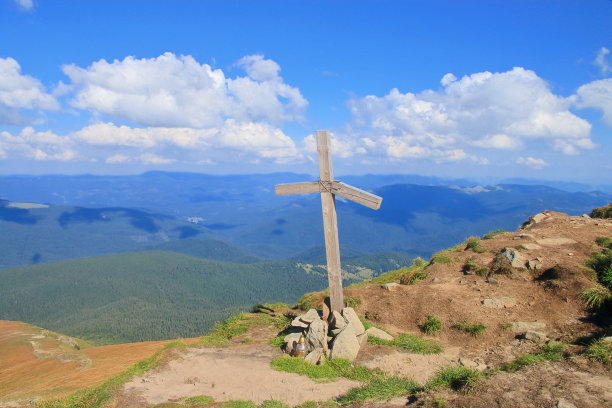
(432, 325)
(440, 258)
(493, 234)
(352, 301)
(471, 266)
(551, 351)
(601, 351)
(381, 389)
(377, 385)
(602, 212)
(604, 242)
(413, 275)
(239, 324)
(240, 404)
(329, 371)
(409, 343)
(474, 329)
(96, 397)
(596, 297)
(270, 307)
(409, 275)
(456, 377)
(473, 243)
(199, 400)
(318, 404)
(364, 321)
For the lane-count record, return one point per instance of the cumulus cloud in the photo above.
(35, 145)
(485, 110)
(598, 95)
(18, 91)
(601, 61)
(171, 91)
(113, 144)
(532, 162)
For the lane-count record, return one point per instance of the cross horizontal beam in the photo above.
(335, 187)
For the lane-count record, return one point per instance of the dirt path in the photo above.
(236, 373)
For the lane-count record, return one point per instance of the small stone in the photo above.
(515, 343)
(514, 257)
(523, 236)
(345, 345)
(351, 318)
(362, 339)
(314, 357)
(336, 332)
(390, 286)
(310, 316)
(435, 280)
(563, 403)
(337, 321)
(298, 323)
(381, 334)
(317, 335)
(570, 254)
(493, 281)
(518, 327)
(585, 216)
(534, 264)
(536, 337)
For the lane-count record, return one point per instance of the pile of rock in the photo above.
(338, 335)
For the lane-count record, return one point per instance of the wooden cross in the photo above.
(328, 187)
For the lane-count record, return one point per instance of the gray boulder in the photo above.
(317, 335)
(352, 318)
(345, 345)
(381, 334)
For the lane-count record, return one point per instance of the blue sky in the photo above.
(478, 89)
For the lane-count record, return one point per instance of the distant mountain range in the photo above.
(96, 215)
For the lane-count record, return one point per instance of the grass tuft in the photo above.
(602, 212)
(493, 234)
(551, 351)
(381, 389)
(432, 325)
(474, 329)
(596, 297)
(440, 258)
(352, 301)
(600, 350)
(471, 266)
(473, 243)
(456, 377)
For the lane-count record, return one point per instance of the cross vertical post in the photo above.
(328, 187)
(330, 223)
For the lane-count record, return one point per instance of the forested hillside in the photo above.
(156, 294)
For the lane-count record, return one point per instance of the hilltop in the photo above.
(510, 319)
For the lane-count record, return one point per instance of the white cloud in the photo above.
(532, 162)
(486, 110)
(36, 145)
(110, 143)
(598, 95)
(601, 61)
(19, 91)
(25, 4)
(171, 91)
